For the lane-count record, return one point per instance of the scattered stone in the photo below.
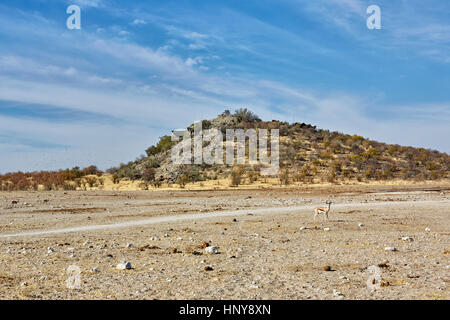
(326, 268)
(130, 245)
(209, 268)
(154, 239)
(50, 250)
(410, 239)
(124, 266)
(24, 284)
(427, 229)
(360, 225)
(338, 294)
(326, 229)
(303, 228)
(211, 250)
(95, 270)
(390, 249)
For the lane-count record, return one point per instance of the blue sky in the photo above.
(138, 69)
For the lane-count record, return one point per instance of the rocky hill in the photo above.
(307, 155)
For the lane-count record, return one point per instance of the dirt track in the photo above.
(263, 254)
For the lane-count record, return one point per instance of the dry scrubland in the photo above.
(269, 247)
(308, 156)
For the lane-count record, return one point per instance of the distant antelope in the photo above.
(323, 210)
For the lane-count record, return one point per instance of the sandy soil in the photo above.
(269, 246)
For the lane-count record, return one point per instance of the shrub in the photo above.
(244, 115)
(183, 180)
(115, 178)
(164, 144)
(284, 177)
(148, 175)
(252, 176)
(236, 177)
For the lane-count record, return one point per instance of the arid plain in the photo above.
(269, 246)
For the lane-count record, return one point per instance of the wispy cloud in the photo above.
(125, 91)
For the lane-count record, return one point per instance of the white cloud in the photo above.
(138, 22)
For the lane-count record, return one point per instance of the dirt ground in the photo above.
(269, 246)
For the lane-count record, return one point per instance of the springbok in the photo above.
(323, 210)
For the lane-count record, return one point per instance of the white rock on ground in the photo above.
(302, 228)
(427, 229)
(407, 239)
(390, 249)
(337, 294)
(211, 250)
(326, 229)
(124, 266)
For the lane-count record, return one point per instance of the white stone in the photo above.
(427, 229)
(211, 250)
(326, 229)
(390, 249)
(124, 266)
(302, 228)
(337, 294)
(407, 239)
